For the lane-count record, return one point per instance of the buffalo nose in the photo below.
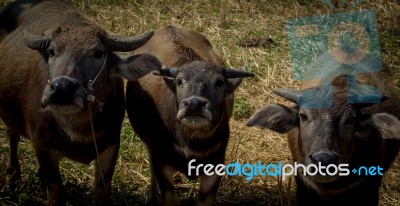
(194, 103)
(325, 158)
(63, 87)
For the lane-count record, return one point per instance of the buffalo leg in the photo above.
(49, 168)
(164, 173)
(104, 173)
(153, 197)
(13, 171)
(208, 189)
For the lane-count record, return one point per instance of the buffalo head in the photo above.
(202, 89)
(325, 136)
(80, 60)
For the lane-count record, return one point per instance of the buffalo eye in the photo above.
(350, 120)
(179, 82)
(219, 83)
(303, 117)
(98, 54)
(51, 52)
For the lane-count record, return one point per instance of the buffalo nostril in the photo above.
(53, 86)
(202, 103)
(57, 85)
(63, 86)
(324, 158)
(195, 103)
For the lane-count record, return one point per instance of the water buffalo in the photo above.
(183, 112)
(358, 134)
(61, 86)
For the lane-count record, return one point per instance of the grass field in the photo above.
(225, 23)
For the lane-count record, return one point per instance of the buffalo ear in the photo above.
(170, 83)
(387, 125)
(276, 117)
(136, 66)
(233, 84)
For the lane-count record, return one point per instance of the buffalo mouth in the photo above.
(321, 179)
(63, 107)
(195, 120)
(320, 175)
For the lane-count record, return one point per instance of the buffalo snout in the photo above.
(325, 158)
(326, 164)
(62, 87)
(193, 112)
(194, 105)
(63, 95)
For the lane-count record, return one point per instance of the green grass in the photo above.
(242, 108)
(225, 28)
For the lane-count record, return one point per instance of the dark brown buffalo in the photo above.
(358, 134)
(60, 86)
(183, 113)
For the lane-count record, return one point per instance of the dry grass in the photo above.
(225, 23)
